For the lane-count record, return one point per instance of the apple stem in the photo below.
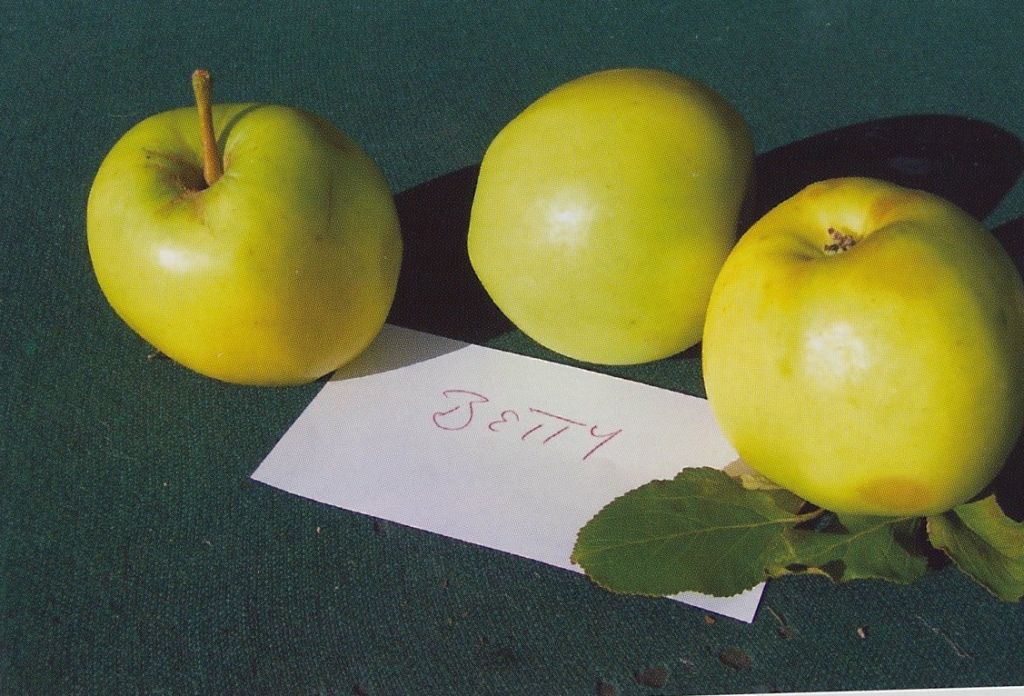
(202, 87)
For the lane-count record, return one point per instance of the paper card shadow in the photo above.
(970, 162)
(394, 348)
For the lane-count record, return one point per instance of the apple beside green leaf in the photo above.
(604, 210)
(252, 243)
(863, 349)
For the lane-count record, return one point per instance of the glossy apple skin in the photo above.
(604, 210)
(280, 272)
(884, 380)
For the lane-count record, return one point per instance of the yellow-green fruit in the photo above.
(605, 209)
(279, 272)
(864, 348)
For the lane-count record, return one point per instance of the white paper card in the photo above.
(489, 447)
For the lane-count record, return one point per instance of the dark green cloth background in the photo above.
(136, 555)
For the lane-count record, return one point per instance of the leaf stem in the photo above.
(202, 87)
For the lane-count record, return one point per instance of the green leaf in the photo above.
(858, 547)
(985, 544)
(701, 531)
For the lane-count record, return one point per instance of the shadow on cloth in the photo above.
(970, 162)
(1009, 485)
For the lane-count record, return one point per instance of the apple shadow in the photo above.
(229, 126)
(1009, 484)
(438, 292)
(970, 162)
(1011, 236)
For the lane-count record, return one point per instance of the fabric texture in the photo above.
(136, 556)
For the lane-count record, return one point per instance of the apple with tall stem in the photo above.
(252, 243)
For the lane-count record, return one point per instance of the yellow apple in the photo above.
(864, 348)
(604, 211)
(254, 244)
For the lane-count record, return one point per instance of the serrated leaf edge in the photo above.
(957, 562)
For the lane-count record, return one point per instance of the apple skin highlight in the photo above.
(883, 378)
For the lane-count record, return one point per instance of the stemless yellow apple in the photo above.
(864, 348)
(604, 210)
(278, 271)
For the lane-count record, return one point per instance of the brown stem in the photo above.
(202, 87)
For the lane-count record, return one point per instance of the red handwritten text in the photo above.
(466, 407)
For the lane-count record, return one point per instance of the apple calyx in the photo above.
(202, 88)
(840, 242)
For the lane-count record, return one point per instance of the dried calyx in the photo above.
(840, 242)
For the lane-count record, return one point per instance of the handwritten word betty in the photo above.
(470, 408)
